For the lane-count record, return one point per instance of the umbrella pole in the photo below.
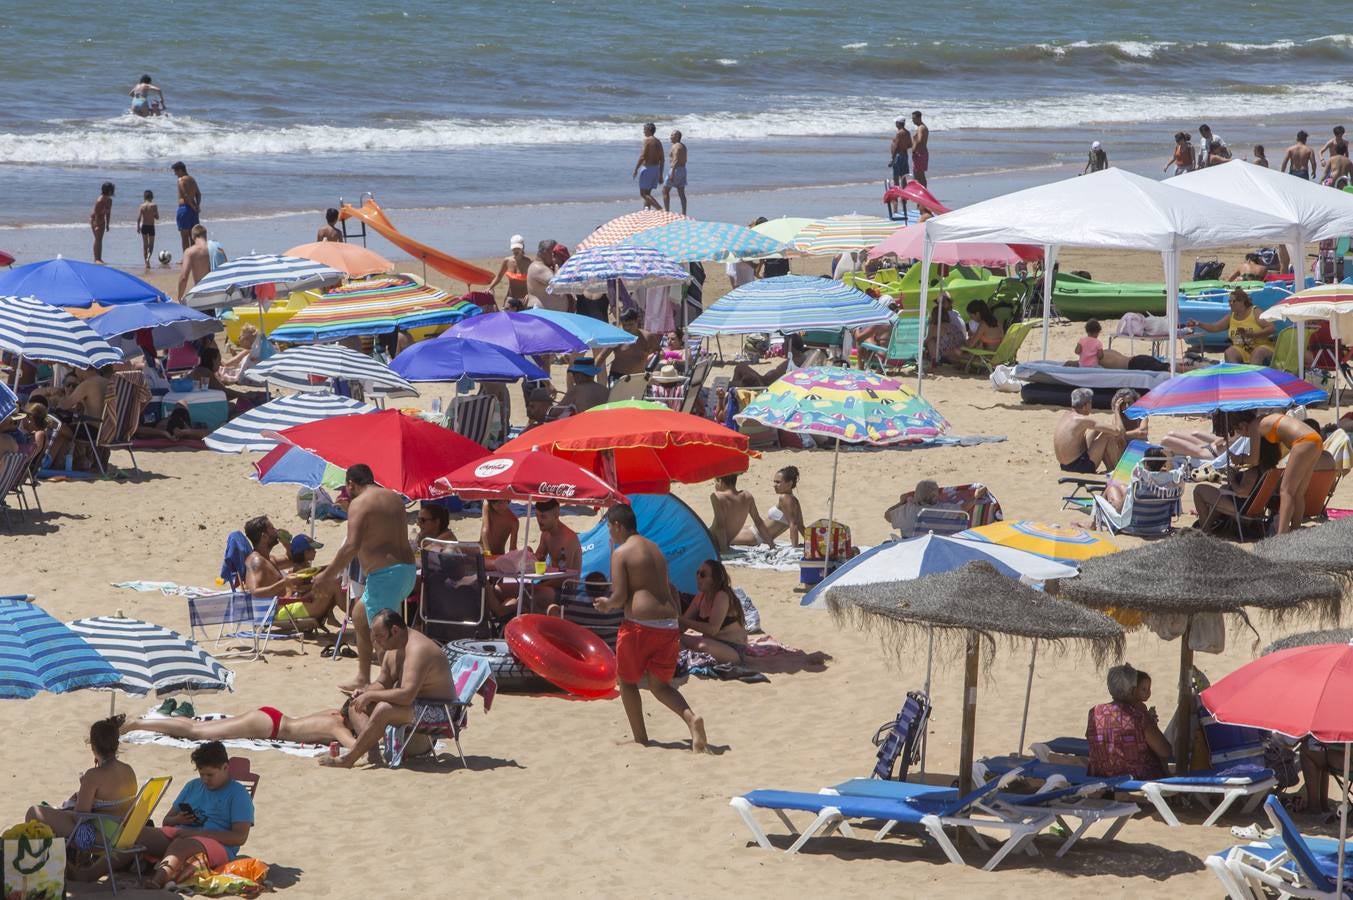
(1183, 749)
(1028, 692)
(929, 662)
(525, 542)
(831, 510)
(969, 716)
(1343, 825)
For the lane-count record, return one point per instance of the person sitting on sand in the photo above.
(263, 724)
(786, 515)
(1123, 734)
(498, 531)
(108, 788)
(1082, 443)
(732, 508)
(412, 667)
(1252, 269)
(249, 353)
(945, 333)
(1133, 429)
(714, 621)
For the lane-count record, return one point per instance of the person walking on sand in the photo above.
(676, 174)
(377, 537)
(146, 214)
(1299, 159)
(196, 262)
(515, 266)
(100, 218)
(650, 635)
(189, 211)
(920, 149)
(1098, 160)
(648, 168)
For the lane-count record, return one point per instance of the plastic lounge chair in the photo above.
(239, 770)
(929, 808)
(454, 581)
(1289, 863)
(1006, 352)
(900, 354)
(444, 718)
(124, 839)
(1151, 500)
(696, 381)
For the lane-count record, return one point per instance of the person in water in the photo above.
(147, 99)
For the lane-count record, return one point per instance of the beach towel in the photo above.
(766, 654)
(164, 740)
(781, 558)
(168, 588)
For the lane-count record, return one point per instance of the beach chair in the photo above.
(475, 417)
(629, 387)
(900, 741)
(239, 770)
(1319, 492)
(1289, 863)
(437, 718)
(13, 472)
(576, 601)
(126, 401)
(696, 381)
(1006, 352)
(129, 827)
(453, 604)
(1151, 500)
(979, 504)
(1250, 511)
(900, 354)
(1285, 351)
(248, 618)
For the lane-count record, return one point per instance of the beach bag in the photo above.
(34, 867)
(823, 534)
(1208, 269)
(1003, 379)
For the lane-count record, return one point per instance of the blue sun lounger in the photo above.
(1289, 863)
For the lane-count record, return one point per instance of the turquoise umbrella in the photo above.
(689, 240)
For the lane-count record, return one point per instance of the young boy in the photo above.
(99, 218)
(146, 215)
(210, 820)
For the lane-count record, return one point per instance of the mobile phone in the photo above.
(187, 810)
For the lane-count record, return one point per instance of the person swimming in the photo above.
(147, 99)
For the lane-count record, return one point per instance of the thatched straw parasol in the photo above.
(1326, 548)
(1310, 639)
(1192, 573)
(974, 602)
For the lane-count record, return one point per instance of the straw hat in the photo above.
(668, 374)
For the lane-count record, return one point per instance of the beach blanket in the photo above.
(766, 654)
(779, 558)
(168, 588)
(944, 440)
(164, 740)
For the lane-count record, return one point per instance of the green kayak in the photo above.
(1079, 299)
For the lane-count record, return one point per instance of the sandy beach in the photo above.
(556, 802)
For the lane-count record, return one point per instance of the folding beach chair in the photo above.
(980, 507)
(1318, 493)
(1289, 863)
(238, 767)
(629, 387)
(696, 381)
(475, 417)
(453, 604)
(234, 613)
(126, 401)
(1250, 512)
(13, 472)
(129, 827)
(1151, 499)
(576, 600)
(1005, 354)
(900, 741)
(900, 354)
(444, 718)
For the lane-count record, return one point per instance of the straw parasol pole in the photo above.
(974, 604)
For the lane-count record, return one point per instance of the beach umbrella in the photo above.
(1310, 639)
(371, 307)
(1071, 546)
(519, 333)
(909, 243)
(1229, 387)
(690, 240)
(1326, 547)
(1297, 692)
(406, 455)
(621, 227)
(285, 464)
(975, 603)
(451, 358)
(237, 281)
(1324, 302)
(38, 653)
(248, 431)
(73, 283)
(641, 451)
(637, 267)
(354, 260)
(1191, 573)
(169, 324)
(328, 361)
(593, 332)
(843, 234)
(33, 330)
(788, 304)
(149, 657)
(784, 229)
(630, 404)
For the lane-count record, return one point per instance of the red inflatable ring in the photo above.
(563, 653)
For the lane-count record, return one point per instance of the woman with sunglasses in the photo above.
(714, 621)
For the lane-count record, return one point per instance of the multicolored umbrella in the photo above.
(689, 240)
(235, 282)
(1324, 302)
(593, 332)
(784, 230)
(843, 234)
(1071, 546)
(38, 653)
(354, 259)
(637, 267)
(621, 227)
(518, 333)
(1229, 387)
(788, 304)
(72, 283)
(451, 358)
(373, 306)
(285, 464)
(34, 330)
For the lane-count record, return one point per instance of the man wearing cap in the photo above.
(585, 392)
(538, 276)
(538, 405)
(1099, 159)
(190, 203)
(514, 266)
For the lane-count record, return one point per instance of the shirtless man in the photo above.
(585, 393)
(1300, 159)
(1252, 269)
(558, 548)
(920, 149)
(1328, 146)
(329, 230)
(263, 578)
(85, 401)
(196, 262)
(630, 359)
(899, 150)
(1338, 171)
(676, 175)
(538, 275)
(649, 636)
(412, 667)
(1081, 442)
(99, 218)
(378, 539)
(650, 161)
(189, 211)
(732, 508)
(498, 531)
(515, 266)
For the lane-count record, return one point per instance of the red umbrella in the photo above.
(531, 476)
(405, 454)
(641, 451)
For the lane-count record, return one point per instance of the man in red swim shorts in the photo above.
(650, 636)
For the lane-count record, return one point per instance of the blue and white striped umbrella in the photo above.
(36, 331)
(329, 361)
(170, 325)
(789, 304)
(148, 657)
(690, 240)
(231, 283)
(638, 267)
(246, 432)
(38, 653)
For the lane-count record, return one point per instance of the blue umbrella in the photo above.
(592, 332)
(638, 267)
(450, 358)
(70, 282)
(170, 324)
(788, 304)
(38, 653)
(8, 402)
(690, 240)
(518, 332)
(35, 330)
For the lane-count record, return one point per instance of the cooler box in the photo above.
(209, 408)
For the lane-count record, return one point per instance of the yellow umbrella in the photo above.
(1065, 545)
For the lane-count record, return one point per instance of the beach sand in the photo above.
(555, 803)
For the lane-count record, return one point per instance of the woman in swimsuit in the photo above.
(109, 788)
(1304, 446)
(989, 333)
(1251, 339)
(262, 724)
(785, 515)
(143, 104)
(714, 621)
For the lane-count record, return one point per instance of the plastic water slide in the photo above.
(374, 217)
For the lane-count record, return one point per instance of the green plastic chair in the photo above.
(1003, 355)
(1285, 351)
(900, 353)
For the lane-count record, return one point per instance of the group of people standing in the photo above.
(1300, 159)
(186, 216)
(909, 154)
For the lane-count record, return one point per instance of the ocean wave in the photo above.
(1330, 46)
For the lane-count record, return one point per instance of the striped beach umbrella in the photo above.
(621, 227)
(170, 324)
(843, 234)
(855, 406)
(328, 361)
(148, 657)
(638, 267)
(233, 282)
(370, 307)
(34, 330)
(789, 304)
(38, 653)
(1229, 387)
(690, 240)
(246, 432)
(1071, 546)
(593, 332)
(1324, 301)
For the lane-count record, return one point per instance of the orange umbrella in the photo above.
(353, 259)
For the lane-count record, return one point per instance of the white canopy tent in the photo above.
(1108, 209)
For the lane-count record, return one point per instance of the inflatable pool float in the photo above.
(563, 653)
(963, 284)
(510, 673)
(235, 319)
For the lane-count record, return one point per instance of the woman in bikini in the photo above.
(714, 621)
(1304, 447)
(262, 724)
(108, 788)
(989, 333)
(785, 515)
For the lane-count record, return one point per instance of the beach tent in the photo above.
(667, 522)
(1111, 209)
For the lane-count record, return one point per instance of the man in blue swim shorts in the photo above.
(378, 538)
(649, 167)
(190, 204)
